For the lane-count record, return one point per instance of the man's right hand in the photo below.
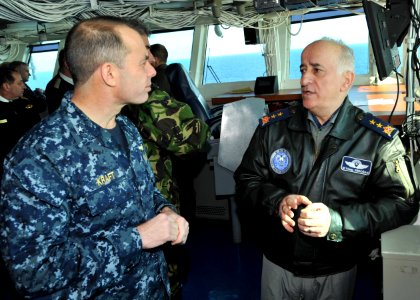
(286, 207)
(163, 228)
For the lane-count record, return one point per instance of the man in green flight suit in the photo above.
(170, 130)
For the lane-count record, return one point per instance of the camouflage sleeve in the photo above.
(162, 202)
(171, 124)
(159, 199)
(40, 253)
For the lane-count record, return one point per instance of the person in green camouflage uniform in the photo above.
(169, 128)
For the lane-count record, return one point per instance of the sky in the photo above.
(352, 30)
(173, 42)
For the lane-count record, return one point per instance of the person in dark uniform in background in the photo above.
(35, 98)
(321, 181)
(14, 121)
(59, 84)
(13, 125)
(160, 55)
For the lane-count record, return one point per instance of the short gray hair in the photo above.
(346, 57)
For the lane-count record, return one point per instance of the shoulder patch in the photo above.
(384, 128)
(275, 116)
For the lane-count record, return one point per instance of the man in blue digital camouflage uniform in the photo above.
(80, 216)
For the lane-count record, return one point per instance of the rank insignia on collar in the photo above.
(381, 127)
(275, 116)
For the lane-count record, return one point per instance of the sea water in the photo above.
(242, 67)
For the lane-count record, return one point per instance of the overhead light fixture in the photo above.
(42, 32)
(218, 30)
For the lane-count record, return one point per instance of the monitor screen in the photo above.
(384, 49)
(266, 85)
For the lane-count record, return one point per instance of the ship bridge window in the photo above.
(178, 44)
(351, 29)
(229, 59)
(42, 62)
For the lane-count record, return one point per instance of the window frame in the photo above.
(156, 32)
(50, 46)
(210, 29)
(360, 79)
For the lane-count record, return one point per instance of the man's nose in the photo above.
(151, 70)
(305, 78)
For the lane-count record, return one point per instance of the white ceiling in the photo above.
(20, 19)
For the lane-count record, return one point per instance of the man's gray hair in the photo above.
(346, 58)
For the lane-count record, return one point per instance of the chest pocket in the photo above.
(114, 196)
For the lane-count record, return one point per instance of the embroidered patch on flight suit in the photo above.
(356, 165)
(280, 161)
(385, 129)
(275, 116)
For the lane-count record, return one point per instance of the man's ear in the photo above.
(348, 80)
(6, 86)
(109, 73)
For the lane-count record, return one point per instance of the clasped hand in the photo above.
(167, 226)
(314, 219)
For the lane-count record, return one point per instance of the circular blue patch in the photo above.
(280, 161)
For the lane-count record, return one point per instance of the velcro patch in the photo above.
(356, 165)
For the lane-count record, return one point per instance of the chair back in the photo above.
(184, 90)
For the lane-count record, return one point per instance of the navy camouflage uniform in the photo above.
(70, 204)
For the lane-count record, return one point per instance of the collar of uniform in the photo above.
(2, 99)
(66, 78)
(345, 124)
(312, 118)
(298, 121)
(87, 130)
